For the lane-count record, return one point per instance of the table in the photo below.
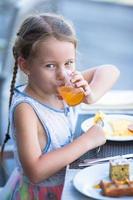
(109, 149)
(69, 192)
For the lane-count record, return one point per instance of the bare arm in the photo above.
(100, 80)
(37, 166)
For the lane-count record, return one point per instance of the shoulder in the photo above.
(24, 108)
(24, 115)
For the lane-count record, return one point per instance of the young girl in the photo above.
(42, 124)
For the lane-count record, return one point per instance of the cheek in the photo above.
(46, 80)
(43, 78)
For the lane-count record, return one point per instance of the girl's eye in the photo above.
(50, 66)
(69, 63)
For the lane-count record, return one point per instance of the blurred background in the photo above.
(104, 30)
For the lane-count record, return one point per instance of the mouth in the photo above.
(57, 91)
(59, 96)
(59, 84)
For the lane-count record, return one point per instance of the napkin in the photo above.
(114, 99)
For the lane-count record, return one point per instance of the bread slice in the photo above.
(117, 188)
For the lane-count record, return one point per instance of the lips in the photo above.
(59, 84)
(59, 97)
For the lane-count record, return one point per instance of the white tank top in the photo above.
(59, 126)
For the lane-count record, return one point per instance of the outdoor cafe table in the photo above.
(111, 148)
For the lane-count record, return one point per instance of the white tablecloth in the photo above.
(69, 192)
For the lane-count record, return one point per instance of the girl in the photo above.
(42, 125)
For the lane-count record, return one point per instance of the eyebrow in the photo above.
(54, 61)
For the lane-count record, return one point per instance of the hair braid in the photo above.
(13, 82)
(7, 136)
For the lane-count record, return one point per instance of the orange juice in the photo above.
(73, 96)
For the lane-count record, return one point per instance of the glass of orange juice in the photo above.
(69, 92)
(72, 95)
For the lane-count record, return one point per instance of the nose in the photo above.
(61, 74)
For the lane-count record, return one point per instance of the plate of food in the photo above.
(116, 127)
(106, 181)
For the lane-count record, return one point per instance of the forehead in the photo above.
(55, 49)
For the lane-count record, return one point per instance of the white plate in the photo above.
(87, 178)
(89, 122)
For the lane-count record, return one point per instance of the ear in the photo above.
(23, 65)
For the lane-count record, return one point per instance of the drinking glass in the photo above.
(70, 93)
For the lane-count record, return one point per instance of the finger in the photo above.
(82, 83)
(87, 90)
(81, 89)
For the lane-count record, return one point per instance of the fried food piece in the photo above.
(117, 188)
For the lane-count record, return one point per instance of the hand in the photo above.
(96, 136)
(79, 82)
